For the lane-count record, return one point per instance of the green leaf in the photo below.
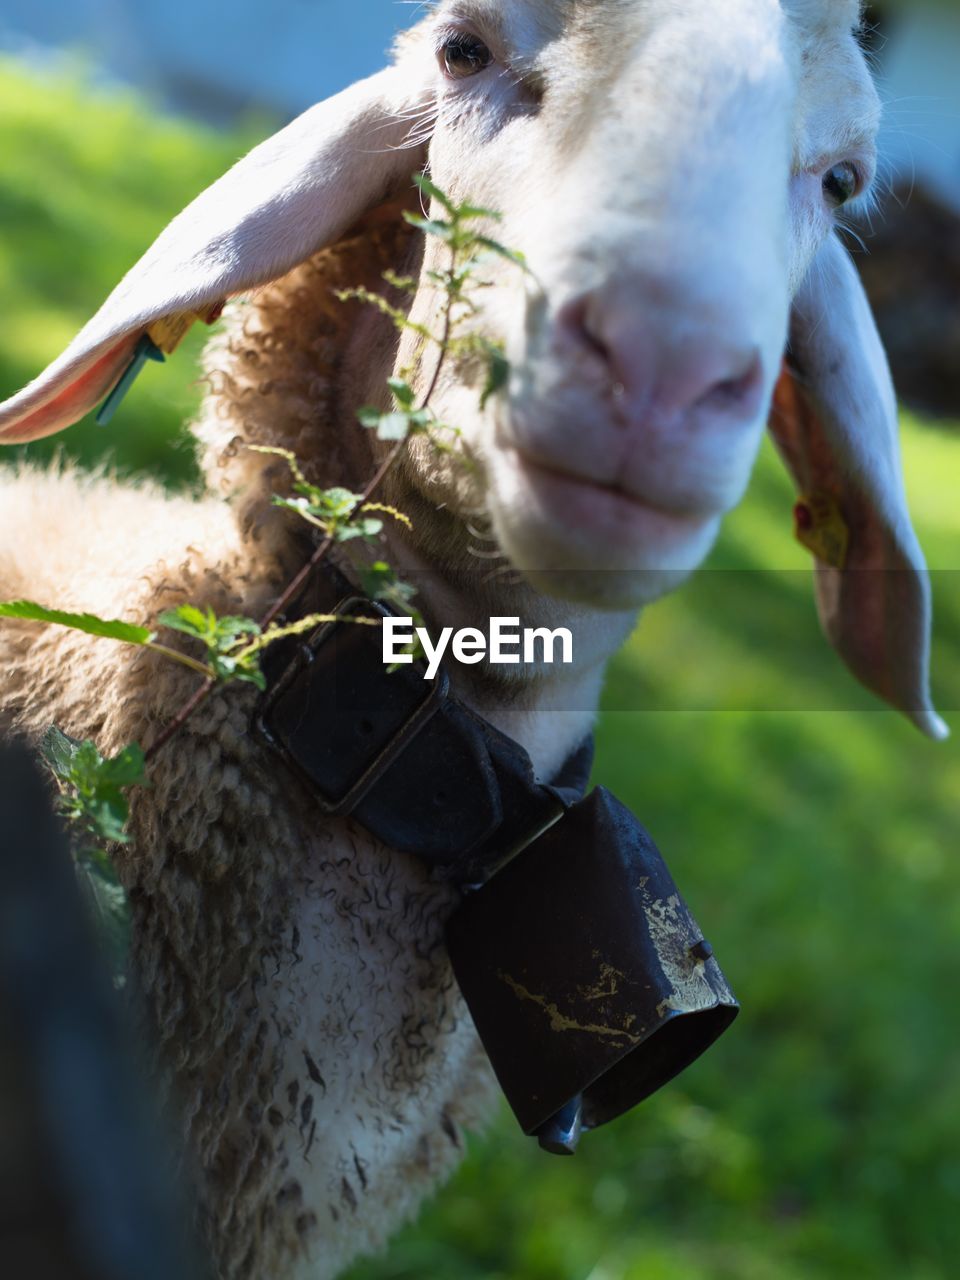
(432, 191)
(380, 582)
(394, 426)
(254, 676)
(402, 391)
(224, 666)
(126, 769)
(369, 416)
(498, 374)
(465, 212)
(222, 638)
(219, 633)
(189, 620)
(335, 505)
(301, 507)
(430, 226)
(242, 670)
(92, 787)
(110, 906)
(512, 255)
(89, 623)
(229, 630)
(109, 816)
(375, 578)
(334, 509)
(369, 527)
(58, 750)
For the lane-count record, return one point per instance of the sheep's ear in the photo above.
(835, 423)
(296, 192)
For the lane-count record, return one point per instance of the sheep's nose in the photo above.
(669, 362)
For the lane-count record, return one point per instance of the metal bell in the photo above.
(588, 979)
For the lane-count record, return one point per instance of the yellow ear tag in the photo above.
(820, 527)
(169, 331)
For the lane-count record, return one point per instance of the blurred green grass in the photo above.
(821, 1136)
(86, 182)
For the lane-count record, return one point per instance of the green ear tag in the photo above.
(146, 349)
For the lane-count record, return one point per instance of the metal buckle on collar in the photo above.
(389, 709)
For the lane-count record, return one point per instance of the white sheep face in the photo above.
(670, 178)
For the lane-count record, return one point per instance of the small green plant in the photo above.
(470, 251)
(94, 800)
(337, 513)
(95, 789)
(403, 420)
(229, 652)
(230, 655)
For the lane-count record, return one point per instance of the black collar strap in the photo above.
(412, 763)
(588, 979)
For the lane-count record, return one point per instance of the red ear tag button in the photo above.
(803, 517)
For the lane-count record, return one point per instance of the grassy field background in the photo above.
(816, 837)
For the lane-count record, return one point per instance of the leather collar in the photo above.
(404, 756)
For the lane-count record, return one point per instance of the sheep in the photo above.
(675, 184)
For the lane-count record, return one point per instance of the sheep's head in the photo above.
(670, 177)
(673, 171)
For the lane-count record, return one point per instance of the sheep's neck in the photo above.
(548, 709)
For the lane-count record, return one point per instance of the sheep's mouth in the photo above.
(589, 506)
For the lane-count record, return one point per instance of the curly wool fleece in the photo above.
(289, 970)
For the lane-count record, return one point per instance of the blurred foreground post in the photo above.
(85, 1191)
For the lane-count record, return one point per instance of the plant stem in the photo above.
(293, 588)
(310, 623)
(447, 331)
(184, 659)
(181, 718)
(290, 593)
(325, 547)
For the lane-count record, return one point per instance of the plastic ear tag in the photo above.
(821, 528)
(160, 340)
(169, 331)
(146, 349)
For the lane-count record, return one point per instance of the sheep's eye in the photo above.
(841, 184)
(465, 55)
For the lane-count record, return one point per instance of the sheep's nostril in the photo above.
(663, 354)
(740, 394)
(697, 373)
(577, 328)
